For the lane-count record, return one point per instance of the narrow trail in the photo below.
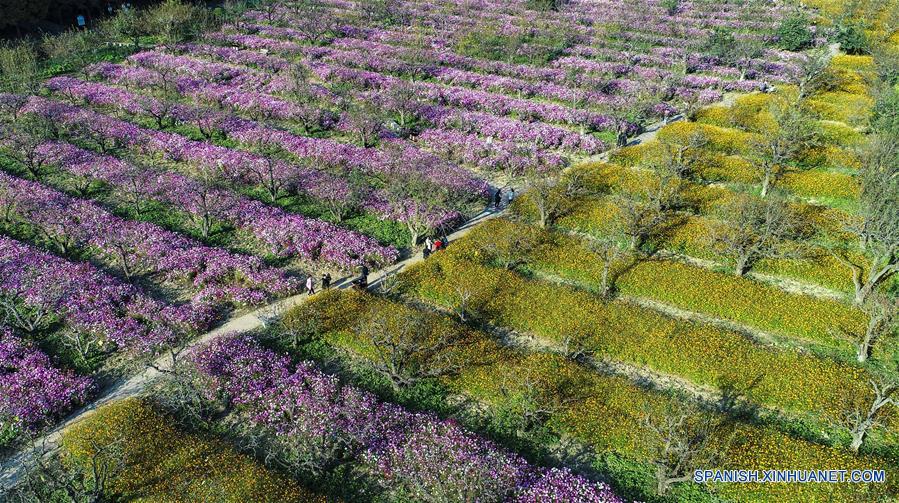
(13, 467)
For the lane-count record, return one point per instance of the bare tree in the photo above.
(460, 302)
(272, 10)
(36, 314)
(208, 123)
(510, 250)
(184, 391)
(414, 200)
(207, 198)
(83, 344)
(164, 106)
(646, 214)
(684, 157)
(272, 169)
(745, 50)
(531, 400)
(813, 72)
(135, 185)
(685, 438)
(383, 12)
(756, 230)
(98, 135)
(20, 69)
(864, 412)
(794, 133)
(883, 316)
(77, 46)
(23, 140)
(877, 229)
(551, 191)
(299, 83)
(365, 122)
(124, 248)
(47, 476)
(302, 325)
(611, 250)
(315, 19)
(418, 56)
(403, 103)
(410, 346)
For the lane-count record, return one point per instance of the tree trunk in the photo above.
(858, 438)
(766, 183)
(606, 289)
(661, 482)
(862, 293)
(742, 266)
(864, 350)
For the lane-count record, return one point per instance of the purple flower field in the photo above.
(184, 173)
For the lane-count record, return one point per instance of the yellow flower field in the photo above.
(601, 411)
(164, 464)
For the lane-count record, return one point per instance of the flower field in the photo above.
(672, 235)
(404, 454)
(590, 405)
(144, 456)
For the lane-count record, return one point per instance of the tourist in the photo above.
(363, 274)
(425, 252)
(310, 286)
(326, 281)
(510, 197)
(437, 245)
(444, 241)
(428, 243)
(497, 198)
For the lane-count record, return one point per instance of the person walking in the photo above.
(622, 138)
(497, 198)
(310, 286)
(510, 196)
(363, 275)
(426, 252)
(428, 243)
(437, 245)
(326, 281)
(444, 241)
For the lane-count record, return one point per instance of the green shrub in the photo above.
(671, 6)
(527, 46)
(852, 38)
(885, 116)
(174, 21)
(720, 43)
(546, 5)
(794, 34)
(486, 42)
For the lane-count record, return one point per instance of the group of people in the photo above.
(498, 197)
(360, 282)
(325, 282)
(433, 246)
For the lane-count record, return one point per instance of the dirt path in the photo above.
(12, 468)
